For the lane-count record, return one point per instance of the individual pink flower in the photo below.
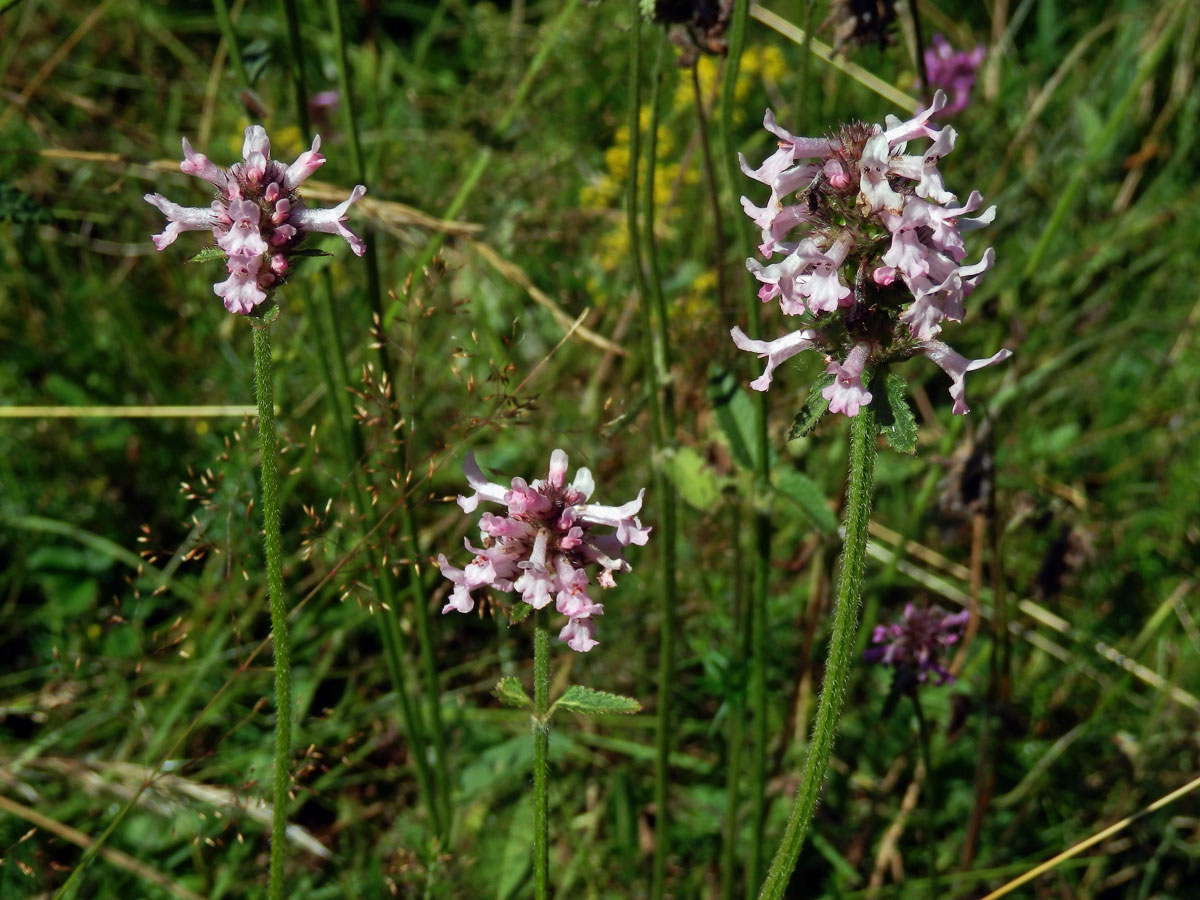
(257, 218)
(776, 351)
(847, 393)
(873, 251)
(545, 546)
(957, 366)
(913, 646)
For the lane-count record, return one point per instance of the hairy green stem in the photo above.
(268, 449)
(541, 754)
(863, 432)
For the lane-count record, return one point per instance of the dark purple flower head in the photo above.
(543, 549)
(952, 70)
(914, 645)
(257, 218)
(866, 250)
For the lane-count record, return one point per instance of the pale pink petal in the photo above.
(331, 221)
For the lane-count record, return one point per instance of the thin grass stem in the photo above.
(714, 193)
(655, 313)
(757, 608)
(231, 44)
(337, 381)
(417, 593)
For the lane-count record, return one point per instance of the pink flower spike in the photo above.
(306, 163)
(957, 366)
(179, 219)
(776, 351)
(199, 165)
(257, 217)
(847, 395)
(240, 290)
(545, 545)
(330, 220)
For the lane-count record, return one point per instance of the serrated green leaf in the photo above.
(508, 690)
(519, 613)
(814, 408)
(896, 419)
(805, 493)
(693, 478)
(208, 254)
(589, 702)
(735, 414)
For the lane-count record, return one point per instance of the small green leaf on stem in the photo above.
(816, 406)
(508, 690)
(896, 419)
(588, 702)
(519, 613)
(208, 254)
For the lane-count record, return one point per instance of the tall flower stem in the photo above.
(658, 345)
(863, 433)
(541, 755)
(268, 448)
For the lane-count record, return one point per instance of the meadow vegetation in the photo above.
(498, 311)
